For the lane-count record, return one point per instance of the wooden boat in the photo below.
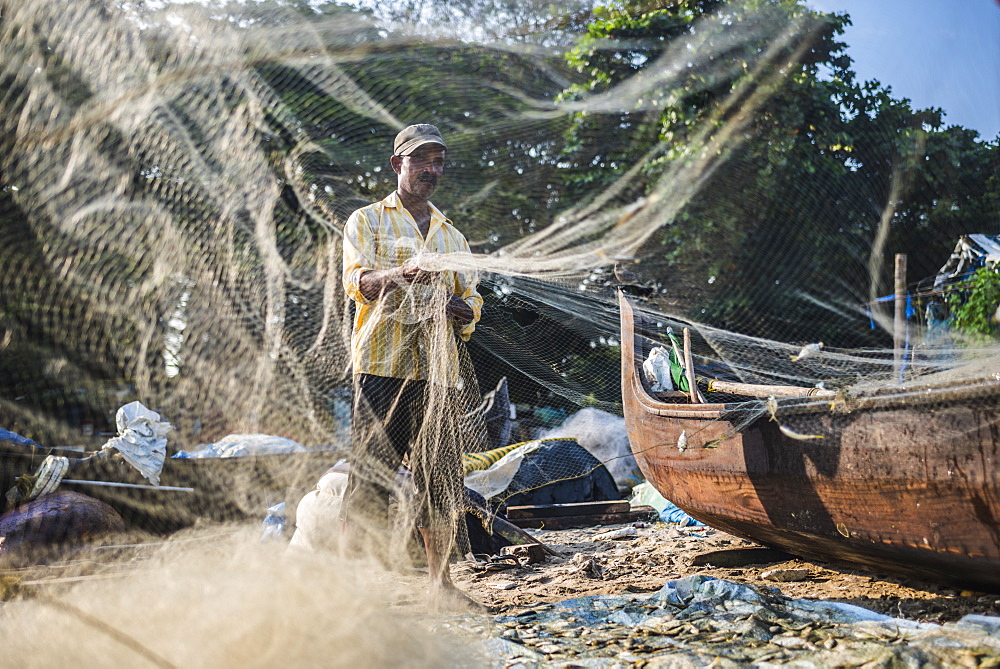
(901, 483)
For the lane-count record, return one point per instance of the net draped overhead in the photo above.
(175, 180)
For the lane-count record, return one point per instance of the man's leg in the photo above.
(438, 542)
(437, 473)
(377, 449)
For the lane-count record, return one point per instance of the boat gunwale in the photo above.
(882, 398)
(707, 411)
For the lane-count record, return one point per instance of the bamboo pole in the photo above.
(758, 390)
(139, 486)
(899, 319)
(689, 367)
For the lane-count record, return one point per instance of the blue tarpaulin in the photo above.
(7, 435)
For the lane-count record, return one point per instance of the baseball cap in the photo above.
(412, 137)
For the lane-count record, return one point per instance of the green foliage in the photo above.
(787, 224)
(974, 304)
(599, 371)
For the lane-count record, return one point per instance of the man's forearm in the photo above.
(376, 281)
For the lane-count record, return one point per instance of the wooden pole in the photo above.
(899, 319)
(759, 390)
(689, 367)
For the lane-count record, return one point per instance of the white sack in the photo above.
(656, 367)
(604, 436)
(238, 445)
(317, 517)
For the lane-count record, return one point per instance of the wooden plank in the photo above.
(740, 557)
(590, 520)
(570, 509)
(899, 318)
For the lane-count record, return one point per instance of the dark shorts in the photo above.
(393, 419)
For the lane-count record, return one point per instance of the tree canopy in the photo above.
(815, 180)
(797, 208)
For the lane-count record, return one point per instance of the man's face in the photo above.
(420, 172)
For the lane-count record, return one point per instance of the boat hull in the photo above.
(903, 489)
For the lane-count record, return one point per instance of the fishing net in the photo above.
(176, 181)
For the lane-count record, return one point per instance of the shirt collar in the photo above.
(437, 218)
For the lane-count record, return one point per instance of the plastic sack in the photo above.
(15, 438)
(676, 516)
(605, 437)
(238, 445)
(317, 517)
(274, 522)
(656, 367)
(142, 439)
(645, 494)
(491, 482)
(664, 369)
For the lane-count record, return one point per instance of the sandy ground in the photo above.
(589, 565)
(218, 596)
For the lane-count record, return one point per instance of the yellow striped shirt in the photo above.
(393, 336)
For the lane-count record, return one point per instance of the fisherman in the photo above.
(398, 349)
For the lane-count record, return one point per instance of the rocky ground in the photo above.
(657, 553)
(603, 603)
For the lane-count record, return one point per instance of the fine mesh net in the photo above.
(176, 181)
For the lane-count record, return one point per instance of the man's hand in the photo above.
(459, 311)
(409, 272)
(378, 281)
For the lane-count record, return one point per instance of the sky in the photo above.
(937, 53)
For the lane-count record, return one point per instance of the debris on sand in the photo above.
(786, 575)
(604, 604)
(701, 621)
